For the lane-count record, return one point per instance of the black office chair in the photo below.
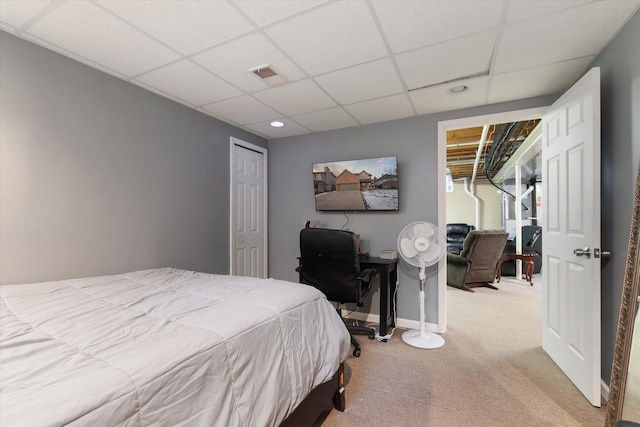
(329, 262)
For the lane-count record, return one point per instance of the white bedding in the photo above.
(163, 347)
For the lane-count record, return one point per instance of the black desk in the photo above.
(388, 269)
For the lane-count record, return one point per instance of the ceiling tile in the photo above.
(233, 59)
(290, 129)
(16, 13)
(296, 98)
(189, 82)
(242, 110)
(524, 10)
(266, 12)
(382, 109)
(438, 98)
(568, 34)
(409, 24)
(98, 36)
(338, 35)
(332, 118)
(447, 61)
(187, 25)
(544, 80)
(362, 82)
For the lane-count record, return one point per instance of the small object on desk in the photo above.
(388, 254)
(364, 255)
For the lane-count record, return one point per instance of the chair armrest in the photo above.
(456, 259)
(365, 275)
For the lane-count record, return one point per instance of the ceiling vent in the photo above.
(268, 75)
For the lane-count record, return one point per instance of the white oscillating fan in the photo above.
(421, 245)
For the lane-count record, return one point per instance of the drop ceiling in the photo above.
(345, 63)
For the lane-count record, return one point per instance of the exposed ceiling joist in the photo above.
(462, 146)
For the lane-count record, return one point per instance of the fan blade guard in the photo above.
(407, 248)
(421, 244)
(423, 229)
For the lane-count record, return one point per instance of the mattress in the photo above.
(163, 347)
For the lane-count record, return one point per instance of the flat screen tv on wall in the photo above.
(357, 185)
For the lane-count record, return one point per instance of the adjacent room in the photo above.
(324, 212)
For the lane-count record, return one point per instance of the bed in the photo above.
(165, 347)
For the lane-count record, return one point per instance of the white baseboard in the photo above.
(400, 323)
(604, 391)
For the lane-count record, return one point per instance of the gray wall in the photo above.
(414, 141)
(620, 103)
(98, 176)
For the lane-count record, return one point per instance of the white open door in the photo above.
(248, 254)
(571, 234)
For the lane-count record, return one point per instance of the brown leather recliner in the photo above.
(476, 265)
(456, 234)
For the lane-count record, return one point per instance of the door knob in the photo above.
(597, 253)
(586, 252)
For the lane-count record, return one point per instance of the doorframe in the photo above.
(249, 146)
(443, 127)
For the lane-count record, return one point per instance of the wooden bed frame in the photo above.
(321, 399)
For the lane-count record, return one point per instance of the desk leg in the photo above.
(384, 301)
(388, 281)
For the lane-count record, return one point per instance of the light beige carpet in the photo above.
(492, 371)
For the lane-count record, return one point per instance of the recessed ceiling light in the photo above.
(276, 124)
(458, 89)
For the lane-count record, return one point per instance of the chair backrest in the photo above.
(329, 261)
(531, 236)
(457, 232)
(483, 249)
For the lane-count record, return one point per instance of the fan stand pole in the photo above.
(421, 338)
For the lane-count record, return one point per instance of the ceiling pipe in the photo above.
(474, 197)
(518, 219)
(526, 193)
(483, 138)
(471, 191)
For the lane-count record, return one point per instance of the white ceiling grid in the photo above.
(346, 62)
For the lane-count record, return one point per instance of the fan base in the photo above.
(428, 340)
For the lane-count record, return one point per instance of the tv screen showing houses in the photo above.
(357, 185)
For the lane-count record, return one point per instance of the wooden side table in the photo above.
(526, 258)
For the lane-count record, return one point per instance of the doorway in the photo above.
(443, 128)
(248, 209)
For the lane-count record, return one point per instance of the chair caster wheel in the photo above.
(356, 352)
(371, 335)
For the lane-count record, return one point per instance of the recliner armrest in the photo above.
(456, 259)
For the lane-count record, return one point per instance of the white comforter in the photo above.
(163, 347)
